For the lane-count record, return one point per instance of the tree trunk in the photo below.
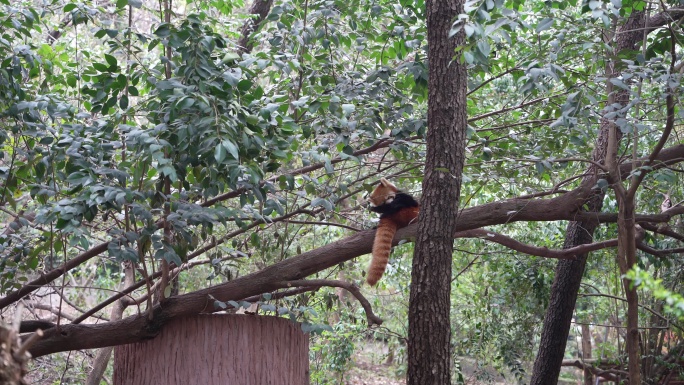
(562, 304)
(626, 260)
(569, 273)
(218, 349)
(101, 361)
(429, 353)
(586, 353)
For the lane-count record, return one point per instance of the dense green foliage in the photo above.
(162, 140)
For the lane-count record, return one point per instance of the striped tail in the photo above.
(382, 245)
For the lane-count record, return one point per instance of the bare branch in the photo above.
(664, 230)
(26, 345)
(655, 313)
(669, 125)
(534, 250)
(519, 106)
(50, 276)
(350, 287)
(484, 83)
(56, 311)
(610, 375)
(319, 223)
(282, 294)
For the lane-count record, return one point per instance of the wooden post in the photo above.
(218, 349)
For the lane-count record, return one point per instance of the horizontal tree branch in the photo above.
(664, 230)
(534, 250)
(137, 327)
(50, 276)
(663, 18)
(610, 374)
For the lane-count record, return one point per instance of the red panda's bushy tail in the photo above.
(382, 246)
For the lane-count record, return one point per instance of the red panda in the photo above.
(397, 209)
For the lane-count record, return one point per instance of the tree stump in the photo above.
(12, 367)
(218, 349)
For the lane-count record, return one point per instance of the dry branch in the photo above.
(350, 287)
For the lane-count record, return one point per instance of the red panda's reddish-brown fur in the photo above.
(397, 210)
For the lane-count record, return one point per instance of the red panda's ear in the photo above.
(387, 184)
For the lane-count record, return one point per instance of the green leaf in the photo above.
(164, 30)
(252, 119)
(220, 153)
(544, 24)
(185, 102)
(230, 146)
(318, 201)
(123, 102)
(111, 60)
(71, 80)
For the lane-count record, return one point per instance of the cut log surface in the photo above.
(218, 349)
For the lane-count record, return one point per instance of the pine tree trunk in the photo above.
(429, 353)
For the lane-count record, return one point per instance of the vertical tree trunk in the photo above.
(569, 273)
(429, 353)
(218, 349)
(259, 10)
(626, 260)
(586, 353)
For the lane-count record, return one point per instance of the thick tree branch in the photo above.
(663, 18)
(136, 328)
(665, 158)
(663, 217)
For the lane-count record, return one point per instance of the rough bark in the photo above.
(569, 273)
(218, 349)
(13, 366)
(429, 336)
(259, 10)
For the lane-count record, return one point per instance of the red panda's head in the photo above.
(383, 194)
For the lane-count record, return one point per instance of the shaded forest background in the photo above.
(215, 156)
